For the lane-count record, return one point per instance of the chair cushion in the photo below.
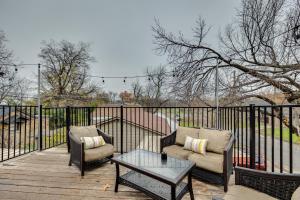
(92, 142)
(195, 145)
(177, 151)
(217, 140)
(83, 131)
(296, 194)
(211, 161)
(98, 153)
(238, 192)
(182, 132)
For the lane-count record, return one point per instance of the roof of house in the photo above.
(15, 114)
(136, 116)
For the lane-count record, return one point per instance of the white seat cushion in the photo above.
(177, 151)
(98, 153)
(211, 161)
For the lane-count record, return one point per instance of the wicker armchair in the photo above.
(81, 156)
(205, 174)
(277, 185)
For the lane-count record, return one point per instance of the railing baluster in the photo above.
(9, 116)
(246, 134)
(121, 128)
(234, 133)
(15, 131)
(25, 128)
(291, 138)
(242, 132)
(238, 136)
(272, 143)
(265, 138)
(280, 140)
(2, 134)
(252, 136)
(258, 137)
(33, 142)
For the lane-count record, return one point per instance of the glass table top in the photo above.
(172, 169)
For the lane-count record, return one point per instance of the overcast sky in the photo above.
(119, 31)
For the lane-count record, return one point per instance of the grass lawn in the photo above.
(285, 134)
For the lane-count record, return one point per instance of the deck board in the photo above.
(46, 175)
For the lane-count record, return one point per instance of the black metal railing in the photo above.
(19, 130)
(265, 135)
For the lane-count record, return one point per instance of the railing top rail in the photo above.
(166, 107)
(285, 105)
(17, 106)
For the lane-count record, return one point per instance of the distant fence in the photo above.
(264, 134)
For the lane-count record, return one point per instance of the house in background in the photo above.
(13, 117)
(17, 125)
(141, 129)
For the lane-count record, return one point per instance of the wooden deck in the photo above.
(46, 175)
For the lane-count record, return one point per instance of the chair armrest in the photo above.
(277, 185)
(227, 164)
(77, 149)
(167, 140)
(230, 144)
(108, 139)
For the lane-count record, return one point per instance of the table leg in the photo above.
(173, 192)
(117, 177)
(190, 186)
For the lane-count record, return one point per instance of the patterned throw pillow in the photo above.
(92, 142)
(195, 145)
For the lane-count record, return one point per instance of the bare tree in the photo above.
(258, 45)
(155, 92)
(138, 92)
(8, 80)
(65, 67)
(112, 96)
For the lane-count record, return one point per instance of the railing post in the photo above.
(252, 136)
(40, 128)
(121, 128)
(89, 116)
(68, 124)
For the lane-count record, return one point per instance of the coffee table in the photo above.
(157, 178)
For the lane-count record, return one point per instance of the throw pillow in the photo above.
(195, 145)
(92, 142)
